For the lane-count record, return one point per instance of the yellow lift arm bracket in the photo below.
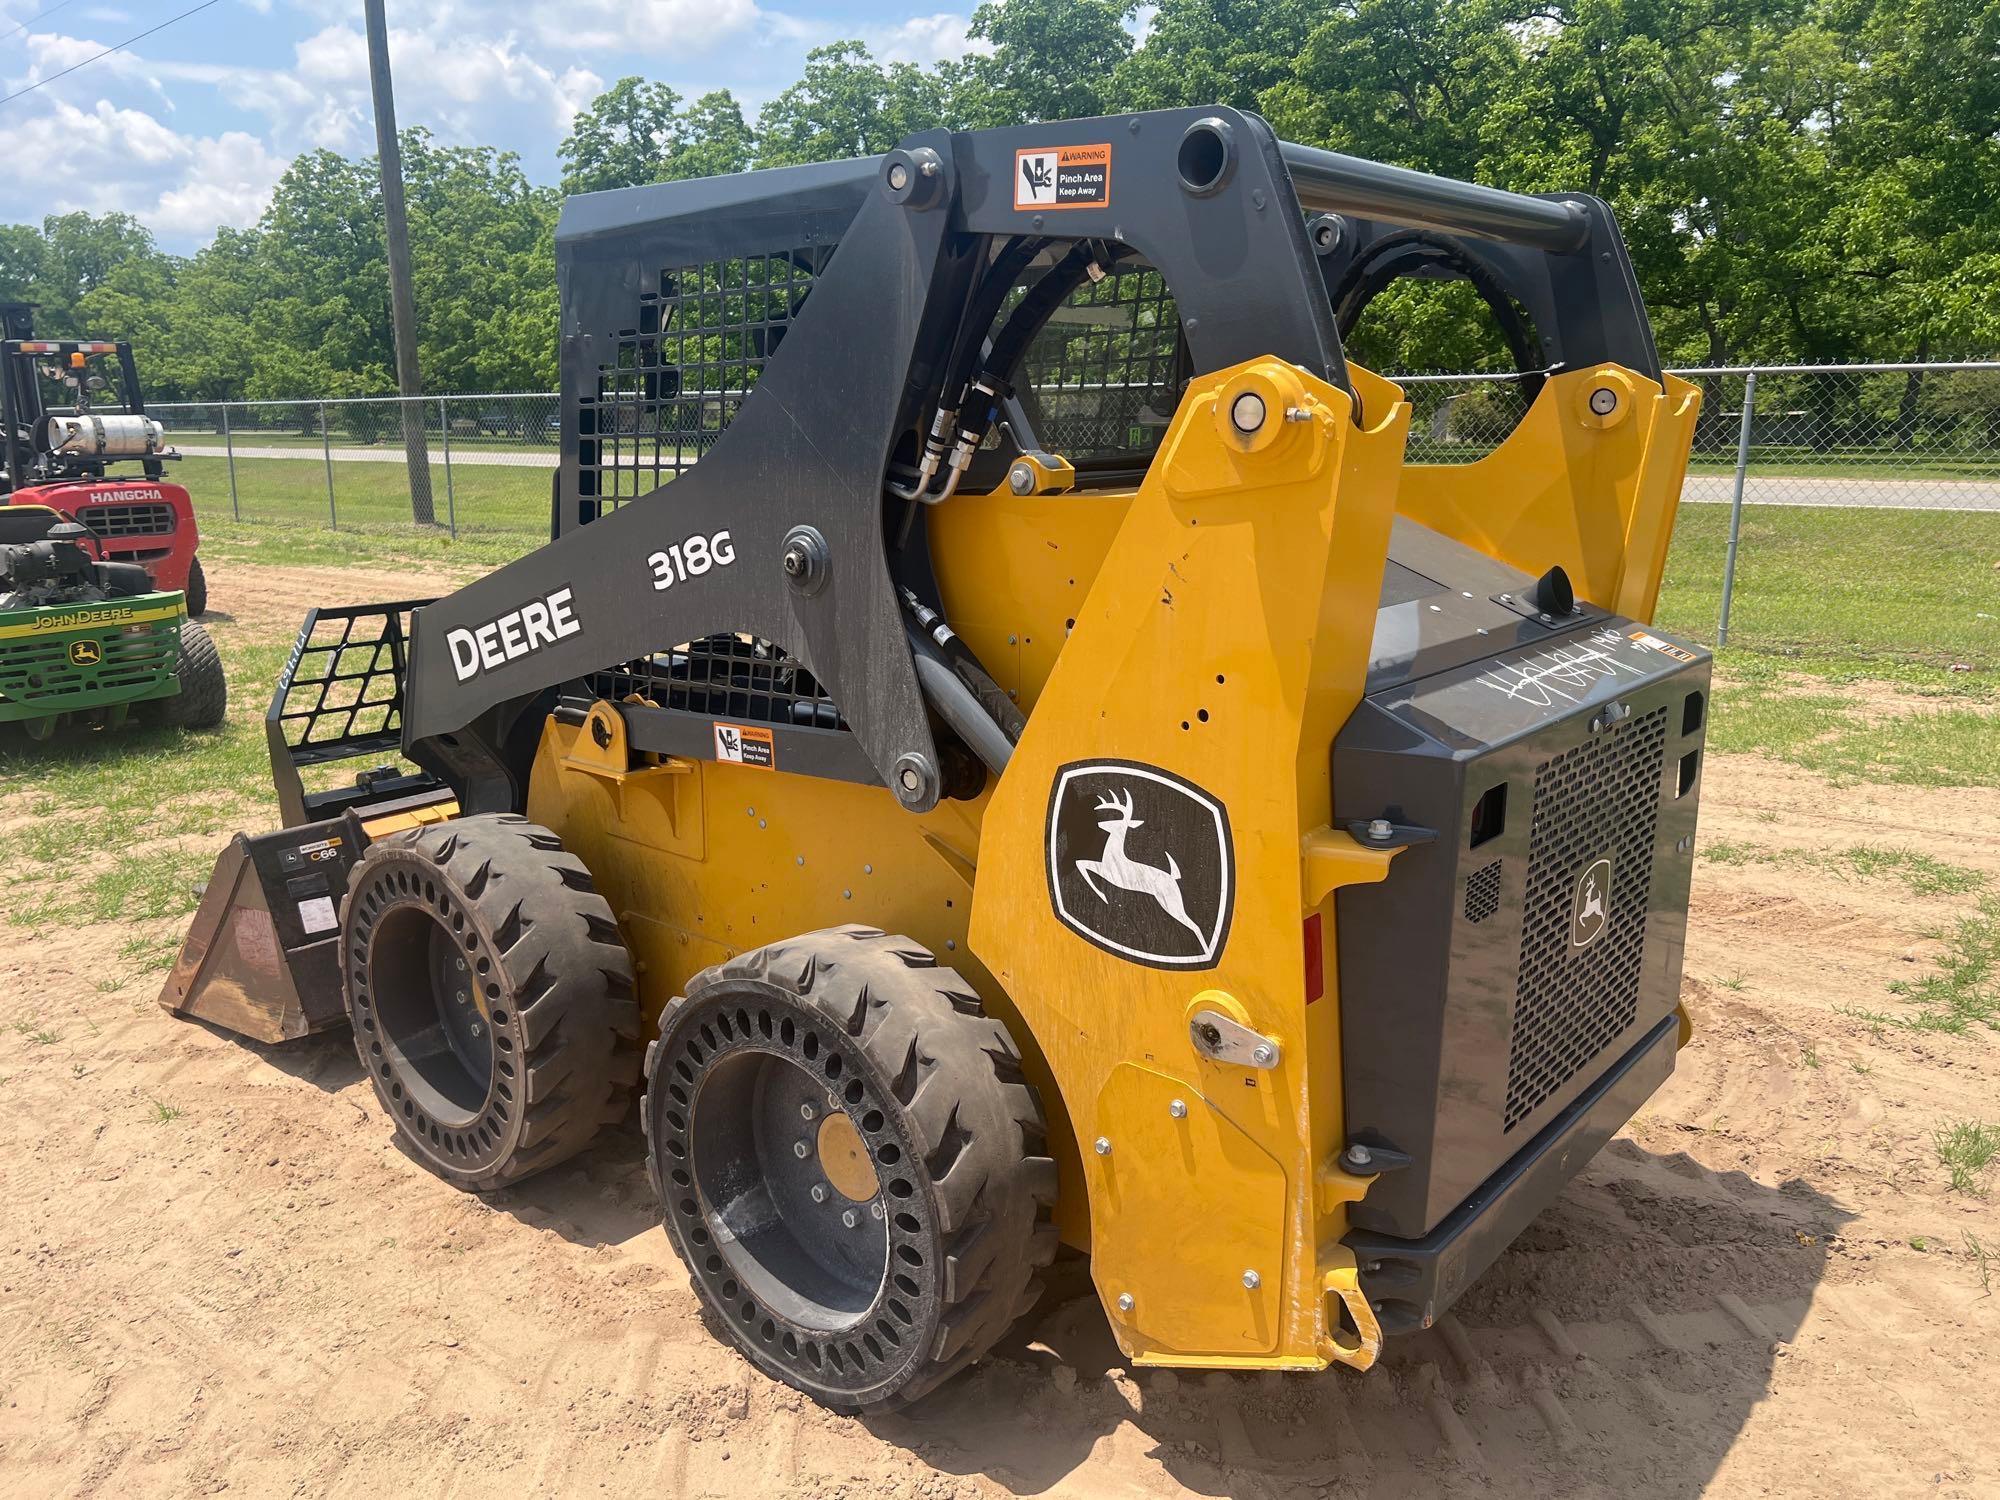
(1589, 479)
(1220, 646)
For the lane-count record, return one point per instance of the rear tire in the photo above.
(203, 701)
(850, 1164)
(492, 997)
(196, 590)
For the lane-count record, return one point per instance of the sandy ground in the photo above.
(218, 1274)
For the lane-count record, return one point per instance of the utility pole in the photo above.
(403, 308)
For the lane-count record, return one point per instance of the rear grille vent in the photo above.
(1581, 947)
(110, 521)
(1482, 893)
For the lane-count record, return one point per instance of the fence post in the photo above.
(1736, 507)
(450, 503)
(326, 449)
(229, 454)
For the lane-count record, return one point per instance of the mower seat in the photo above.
(20, 524)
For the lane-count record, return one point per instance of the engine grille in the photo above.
(1482, 893)
(1597, 801)
(111, 521)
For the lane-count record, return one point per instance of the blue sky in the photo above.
(190, 128)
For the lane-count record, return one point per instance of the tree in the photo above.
(848, 105)
(636, 132)
(1051, 59)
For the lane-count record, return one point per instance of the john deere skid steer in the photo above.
(1001, 750)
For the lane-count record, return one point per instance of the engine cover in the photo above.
(1503, 968)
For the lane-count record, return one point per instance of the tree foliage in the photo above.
(1797, 179)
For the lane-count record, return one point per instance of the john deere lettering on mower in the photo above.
(1168, 806)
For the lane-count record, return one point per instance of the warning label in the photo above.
(746, 745)
(1665, 648)
(1063, 177)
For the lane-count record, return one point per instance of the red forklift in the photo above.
(71, 408)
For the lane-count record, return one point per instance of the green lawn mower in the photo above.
(83, 641)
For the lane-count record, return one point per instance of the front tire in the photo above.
(850, 1164)
(196, 590)
(203, 701)
(492, 997)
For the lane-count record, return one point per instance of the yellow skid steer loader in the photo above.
(1000, 750)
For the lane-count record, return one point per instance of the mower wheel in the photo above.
(196, 590)
(492, 997)
(850, 1163)
(204, 696)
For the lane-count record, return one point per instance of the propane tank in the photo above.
(87, 435)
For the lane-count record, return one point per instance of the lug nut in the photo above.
(805, 1111)
(819, 1193)
(1247, 412)
(1252, 1280)
(800, 1149)
(1102, 1146)
(875, 1209)
(1178, 1109)
(850, 1218)
(477, 1029)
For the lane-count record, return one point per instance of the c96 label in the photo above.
(690, 558)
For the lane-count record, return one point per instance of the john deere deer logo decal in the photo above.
(85, 653)
(1120, 869)
(1140, 863)
(1590, 905)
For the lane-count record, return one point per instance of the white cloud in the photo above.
(924, 40)
(115, 159)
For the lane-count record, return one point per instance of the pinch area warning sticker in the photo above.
(746, 745)
(1063, 177)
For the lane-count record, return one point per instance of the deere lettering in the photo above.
(538, 623)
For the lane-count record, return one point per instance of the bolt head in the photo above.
(801, 1150)
(1252, 1280)
(1020, 479)
(1246, 412)
(1102, 1146)
(805, 1111)
(1380, 828)
(476, 1029)
(796, 562)
(1263, 1054)
(1360, 1156)
(1125, 1302)
(818, 1193)
(875, 1209)
(1178, 1109)
(850, 1218)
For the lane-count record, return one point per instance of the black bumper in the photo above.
(1410, 1282)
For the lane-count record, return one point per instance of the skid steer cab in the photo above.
(1001, 750)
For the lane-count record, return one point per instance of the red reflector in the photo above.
(1315, 960)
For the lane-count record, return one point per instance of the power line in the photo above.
(38, 16)
(120, 47)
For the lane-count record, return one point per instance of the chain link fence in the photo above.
(1848, 511)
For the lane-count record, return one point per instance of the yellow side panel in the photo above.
(1193, 1284)
(1594, 492)
(1224, 640)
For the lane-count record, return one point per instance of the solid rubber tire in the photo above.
(960, 1152)
(558, 984)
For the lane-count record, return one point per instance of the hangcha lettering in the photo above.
(538, 623)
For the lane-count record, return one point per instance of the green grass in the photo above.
(1965, 990)
(1843, 587)
(1924, 874)
(1967, 1148)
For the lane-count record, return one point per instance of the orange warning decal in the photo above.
(1063, 177)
